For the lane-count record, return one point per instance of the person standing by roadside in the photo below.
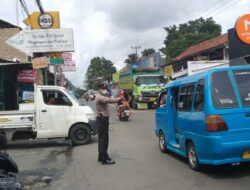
(102, 122)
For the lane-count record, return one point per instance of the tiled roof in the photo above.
(206, 45)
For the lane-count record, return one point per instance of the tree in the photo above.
(69, 85)
(99, 69)
(132, 59)
(147, 52)
(188, 34)
(79, 91)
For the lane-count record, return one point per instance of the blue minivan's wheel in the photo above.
(192, 157)
(162, 142)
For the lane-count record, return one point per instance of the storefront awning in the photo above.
(13, 63)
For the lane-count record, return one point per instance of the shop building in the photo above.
(209, 50)
(213, 49)
(12, 63)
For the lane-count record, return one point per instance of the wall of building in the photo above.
(1, 89)
(6, 51)
(153, 60)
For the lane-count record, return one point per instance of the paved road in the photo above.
(140, 164)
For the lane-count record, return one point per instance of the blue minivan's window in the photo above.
(222, 91)
(199, 96)
(242, 78)
(186, 97)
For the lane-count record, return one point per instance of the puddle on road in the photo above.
(34, 180)
(40, 178)
(54, 154)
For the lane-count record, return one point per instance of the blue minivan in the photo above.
(206, 117)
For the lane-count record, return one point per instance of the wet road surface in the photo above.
(140, 164)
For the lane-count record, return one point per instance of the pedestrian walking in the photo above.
(102, 122)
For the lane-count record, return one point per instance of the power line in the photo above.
(220, 10)
(24, 7)
(38, 2)
(227, 7)
(204, 12)
(212, 9)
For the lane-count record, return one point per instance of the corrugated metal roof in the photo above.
(4, 24)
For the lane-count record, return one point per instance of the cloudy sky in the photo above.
(109, 28)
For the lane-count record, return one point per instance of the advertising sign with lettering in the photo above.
(69, 66)
(47, 40)
(38, 20)
(40, 62)
(243, 28)
(26, 76)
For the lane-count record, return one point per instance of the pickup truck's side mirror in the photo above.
(70, 103)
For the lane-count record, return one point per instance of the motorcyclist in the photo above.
(124, 102)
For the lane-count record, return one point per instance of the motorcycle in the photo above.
(124, 113)
(8, 168)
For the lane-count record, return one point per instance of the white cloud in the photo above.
(109, 28)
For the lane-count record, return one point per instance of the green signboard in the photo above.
(56, 61)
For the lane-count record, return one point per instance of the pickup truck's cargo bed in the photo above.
(19, 119)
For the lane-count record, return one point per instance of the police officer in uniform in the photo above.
(102, 122)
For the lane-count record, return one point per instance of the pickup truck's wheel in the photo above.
(80, 134)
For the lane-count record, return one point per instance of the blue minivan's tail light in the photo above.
(215, 123)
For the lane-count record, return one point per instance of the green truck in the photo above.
(142, 83)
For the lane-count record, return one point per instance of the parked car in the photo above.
(206, 117)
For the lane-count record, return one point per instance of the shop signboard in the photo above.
(67, 56)
(243, 28)
(168, 70)
(69, 66)
(239, 42)
(43, 41)
(56, 61)
(40, 62)
(28, 95)
(38, 20)
(26, 76)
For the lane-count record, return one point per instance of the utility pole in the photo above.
(17, 13)
(136, 47)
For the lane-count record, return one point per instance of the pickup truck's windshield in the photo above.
(73, 97)
(149, 80)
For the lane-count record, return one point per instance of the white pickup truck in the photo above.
(55, 113)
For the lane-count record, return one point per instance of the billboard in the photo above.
(26, 76)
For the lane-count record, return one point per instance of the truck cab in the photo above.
(146, 89)
(143, 84)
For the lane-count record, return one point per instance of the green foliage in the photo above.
(99, 68)
(80, 91)
(132, 59)
(188, 34)
(148, 51)
(69, 85)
